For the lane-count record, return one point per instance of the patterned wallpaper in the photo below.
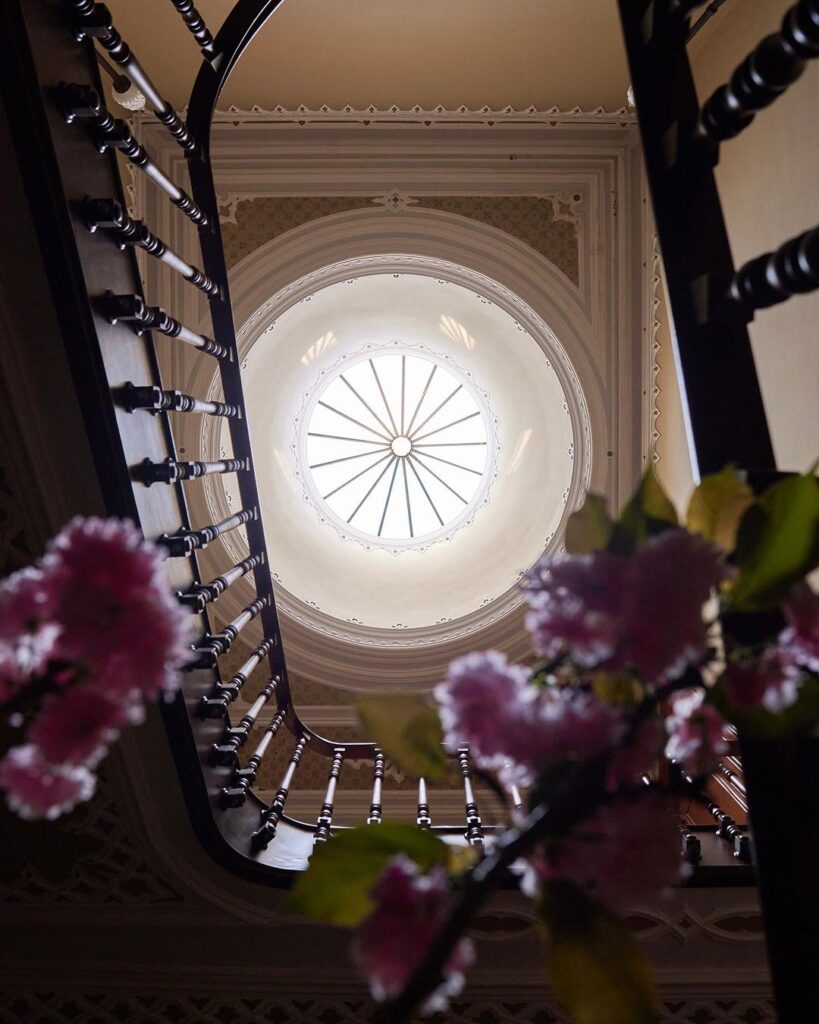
(549, 227)
(146, 1007)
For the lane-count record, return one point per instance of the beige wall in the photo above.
(769, 181)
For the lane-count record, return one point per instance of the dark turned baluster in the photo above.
(735, 779)
(726, 826)
(423, 819)
(764, 74)
(270, 818)
(727, 829)
(226, 693)
(199, 30)
(236, 736)
(94, 20)
(132, 309)
(184, 543)
(243, 778)
(109, 215)
(474, 825)
(170, 472)
(691, 845)
(154, 399)
(514, 793)
(374, 817)
(202, 594)
(325, 817)
(776, 276)
(214, 645)
(81, 101)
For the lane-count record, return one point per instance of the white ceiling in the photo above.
(366, 583)
(544, 53)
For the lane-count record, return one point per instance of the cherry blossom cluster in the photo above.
(86, 637)
(632, 654)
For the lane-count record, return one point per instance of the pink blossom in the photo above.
(634, 760)
(77, 727)
(391, 942)
(483, 701)
(27, 632)
(628, 851)
(118, 616)
(575, 606)
(801, 636)
(770, 681)
(36, 789)
(614, 612)
(695, 733)
(514, 727)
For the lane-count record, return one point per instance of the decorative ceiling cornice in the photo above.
(417, 116)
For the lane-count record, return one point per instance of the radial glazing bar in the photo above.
(236, 736)
(226, 693)
(93, 20)
(109, 215)
(132, 309)
(171, 472)
(325, 816)
(84, 103)
(374, 817)
(271, 817)
(243, 778)
(202, 594)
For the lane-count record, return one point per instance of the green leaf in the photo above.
(760, 724)
(597, 970)
(336, 886)
(589, 529)
(648, 513)
(617, 688)
(408, 730)
(777, 543)
(717, 507)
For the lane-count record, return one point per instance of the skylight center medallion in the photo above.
(399, 448)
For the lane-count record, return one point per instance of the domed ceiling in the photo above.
(415, 455)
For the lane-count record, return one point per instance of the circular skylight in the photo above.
(397, 447)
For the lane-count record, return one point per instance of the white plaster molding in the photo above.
(303, 116)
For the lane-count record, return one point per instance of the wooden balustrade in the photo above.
(214, 645)
(170, 471)
(236, 736)
(111, 216)
(423, 818)
(325, 816)
(376, 810)
(474, 825)
(776, 63)
(184, 542)
(155, 399)
(196, 25)
(244, 778)
(132, 309)
(83, 102)
(202, 594)
(261, 838)
(226, 693)
(93, 21)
